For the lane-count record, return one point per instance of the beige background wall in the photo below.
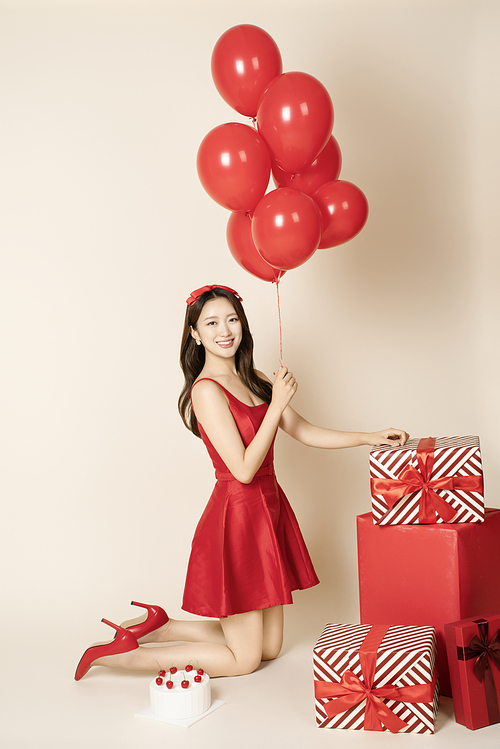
(105, 229)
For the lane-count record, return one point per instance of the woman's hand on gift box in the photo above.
(393, 437)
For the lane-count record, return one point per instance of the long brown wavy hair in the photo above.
(192, 358)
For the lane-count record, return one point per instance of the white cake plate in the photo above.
(186, 722)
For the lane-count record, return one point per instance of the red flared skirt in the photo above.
(248, 552)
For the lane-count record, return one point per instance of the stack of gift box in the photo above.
(429, 585)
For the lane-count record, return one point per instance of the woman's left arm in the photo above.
(309, 434)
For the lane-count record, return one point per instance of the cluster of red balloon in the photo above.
(270, 233)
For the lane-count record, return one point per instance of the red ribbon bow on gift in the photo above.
(413, 479)
(195, 295)
(351, 690)
(483, 652)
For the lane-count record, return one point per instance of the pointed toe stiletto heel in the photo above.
(155, 619)
(123, 642)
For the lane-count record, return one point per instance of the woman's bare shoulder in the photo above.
(207, 390)
(205, 385)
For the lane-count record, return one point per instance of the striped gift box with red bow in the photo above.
(376, 678)
(431, 480)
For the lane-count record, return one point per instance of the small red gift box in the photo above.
(428, 575)
(376, 678)
(432, 480)
(473, 647)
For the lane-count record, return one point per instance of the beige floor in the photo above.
(41, 705)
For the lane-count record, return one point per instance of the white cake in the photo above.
(178, 701)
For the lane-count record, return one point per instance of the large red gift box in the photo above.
(376, 678)
(473, 647)
(428, 575)
(432, 480)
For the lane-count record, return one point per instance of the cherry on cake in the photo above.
(176, 695)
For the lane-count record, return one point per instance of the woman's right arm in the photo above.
(213, 413)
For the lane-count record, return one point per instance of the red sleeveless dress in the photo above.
(248, 552)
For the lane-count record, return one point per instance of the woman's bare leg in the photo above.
(272, 639)
(187, 630)
(210, 630)
(240, 653)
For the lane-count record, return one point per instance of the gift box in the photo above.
(428, 575)
(473, 647)
(376, 678)
(432, 480)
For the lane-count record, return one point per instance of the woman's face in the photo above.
(218, 328)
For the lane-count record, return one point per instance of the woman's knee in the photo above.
(248, 663)
(271, 651)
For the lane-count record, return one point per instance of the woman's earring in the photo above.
(198, 343)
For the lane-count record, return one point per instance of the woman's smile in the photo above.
(225, 344)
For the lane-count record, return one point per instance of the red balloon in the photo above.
(286, 228)
(244, 61)
(244, 251)
(234, 166)
(325, 167)
(344, 210)
(295, 118)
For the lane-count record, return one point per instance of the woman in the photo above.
(248, 554)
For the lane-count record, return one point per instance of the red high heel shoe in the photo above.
(123, 642)
(156, 618)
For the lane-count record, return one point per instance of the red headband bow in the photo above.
(195, 295)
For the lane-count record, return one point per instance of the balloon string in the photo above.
(279, 319)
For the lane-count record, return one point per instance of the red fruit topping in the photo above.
(200, 671)
(173, 670)
(185, 684)
(159, 681)
(170, 684)
(188, 668)
(162, 672)
(197, 678)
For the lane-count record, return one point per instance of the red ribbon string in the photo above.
(484, 652)
(351, 690)
(412, 479)
(277, 282)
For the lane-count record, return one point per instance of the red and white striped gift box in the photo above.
(433, 480)
(403, 666)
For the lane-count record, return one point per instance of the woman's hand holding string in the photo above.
(284, 388)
